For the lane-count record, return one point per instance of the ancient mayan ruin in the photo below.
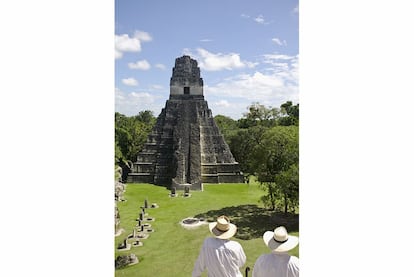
(185, 148)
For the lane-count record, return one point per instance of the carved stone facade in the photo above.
(185, 146)
(185, 78)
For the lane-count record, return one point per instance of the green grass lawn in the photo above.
(172, 250)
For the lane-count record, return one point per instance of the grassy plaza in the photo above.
(172, 249)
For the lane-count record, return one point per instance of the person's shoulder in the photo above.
(234, 243)
(293, 265)
(209, 240)
(264, 256)
(262, 259)
(294, 260)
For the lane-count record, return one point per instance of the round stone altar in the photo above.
(192, 222)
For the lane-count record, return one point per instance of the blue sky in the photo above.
(247, 51)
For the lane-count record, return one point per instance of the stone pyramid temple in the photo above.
(185, 148)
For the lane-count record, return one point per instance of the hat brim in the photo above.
(220, 234)
(275, 246)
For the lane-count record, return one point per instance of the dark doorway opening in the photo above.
(186, 90)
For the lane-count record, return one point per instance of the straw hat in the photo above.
(279, 240)
(222, 229)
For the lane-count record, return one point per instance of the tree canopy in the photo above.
(277, 160)
(266, 144)
(130, 135)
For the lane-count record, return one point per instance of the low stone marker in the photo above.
(149, 219)
(137, 243)
(149, 230)
(173, 192)
(142, 235)
(124, 246)
(187, 191)
(126, 260)
(133, 234)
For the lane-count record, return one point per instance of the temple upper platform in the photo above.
(186, 80)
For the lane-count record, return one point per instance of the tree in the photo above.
(228, 127)
(131, 132)
(146, 117)
(258, 114)
(289, 109)
(287, 186)
(290, 114)
(276, 153)
(130, 136)
(242, 147)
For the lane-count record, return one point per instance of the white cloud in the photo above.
(124, 43)
(205, 40)
(272, 57)
(222, 103)
(260, 19)
(118, 54)
(160, 66)
(141, 65)
(279, 42)
(284, 66)
(271, 87)
(187, 51)
(214, 62)
(251, 64)
(132, 103)
(232, 107)
(142, 36)
(130, 82)
(157, 87)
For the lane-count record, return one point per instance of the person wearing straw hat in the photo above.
(278, 262)
(220, 255)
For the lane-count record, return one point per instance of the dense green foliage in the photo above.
(172, 250)
(277, 161)
(266, 144)
(130, 135)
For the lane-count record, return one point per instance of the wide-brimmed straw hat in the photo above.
(279, 240)
(222, 229)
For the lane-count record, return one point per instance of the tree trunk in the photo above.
(272, 198)
(286, 202)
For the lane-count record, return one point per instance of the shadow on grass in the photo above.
(252, 221)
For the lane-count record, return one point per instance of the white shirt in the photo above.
(276, 265)
(221, 258)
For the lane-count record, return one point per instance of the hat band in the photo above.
(279, 241)
(222, 230)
